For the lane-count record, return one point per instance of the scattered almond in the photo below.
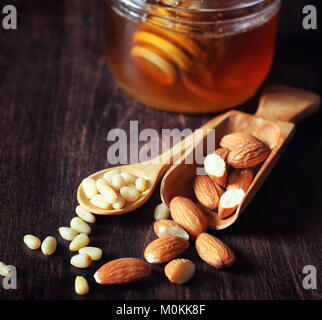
(188, 215)
(207, 191)
(164, 249)
(214, 251)
(180, 271)
(248, 155)
(165, 227)
(122, 270)
(229, 202)
(237, 139)
(215, 167)
(240, 179)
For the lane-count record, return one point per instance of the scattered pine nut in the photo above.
(89, 187)
(48, 246)
(67, 233)
(80, 241)
(81, 285)
(80, 225)
(94, 252)
(85, 215)
(4, 270)
(81, 260)
(32, 242)
(161, 211)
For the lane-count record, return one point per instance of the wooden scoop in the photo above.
(279, 108)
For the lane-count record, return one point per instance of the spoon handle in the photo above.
(287, 104)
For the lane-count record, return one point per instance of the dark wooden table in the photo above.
(58, 101)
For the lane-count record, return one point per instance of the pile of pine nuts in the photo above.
(115, 190)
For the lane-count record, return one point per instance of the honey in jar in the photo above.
(191, 56)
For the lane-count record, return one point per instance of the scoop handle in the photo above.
(286, 103)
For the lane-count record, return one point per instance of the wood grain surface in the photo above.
(58, 101)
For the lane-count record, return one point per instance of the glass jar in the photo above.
(191, 56)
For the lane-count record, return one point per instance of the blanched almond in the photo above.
(229, 202)
(180, 271)
(215, 167)
(161, 211)
(165, 227)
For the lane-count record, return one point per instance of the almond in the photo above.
(165, 248)
(240, 179)
(237, 139)
(215, 167)
(122, 270)
(165, 227)
(214, 251)
(229, 202)
(248, 155)
(180, 270)
(188, 215)
(223, 153)
(207, 191)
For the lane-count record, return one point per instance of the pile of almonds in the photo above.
(229, 172)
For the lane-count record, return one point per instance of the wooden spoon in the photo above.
(152, 171)
(278, 107)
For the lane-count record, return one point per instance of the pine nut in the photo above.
(31, 242)
(4, 270)
(109, 174)
(81, 261)
(161, 211)
(81, 285)
(85, 215)
(140, 184)
(94, 252)
(67, 233)
(89, 187)
(80, 241)
(107, 191)
(117, 182)
(48, 246)
(80, 225)
(119, 204)
(100, 202)
(128, 177)
(130, 193)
